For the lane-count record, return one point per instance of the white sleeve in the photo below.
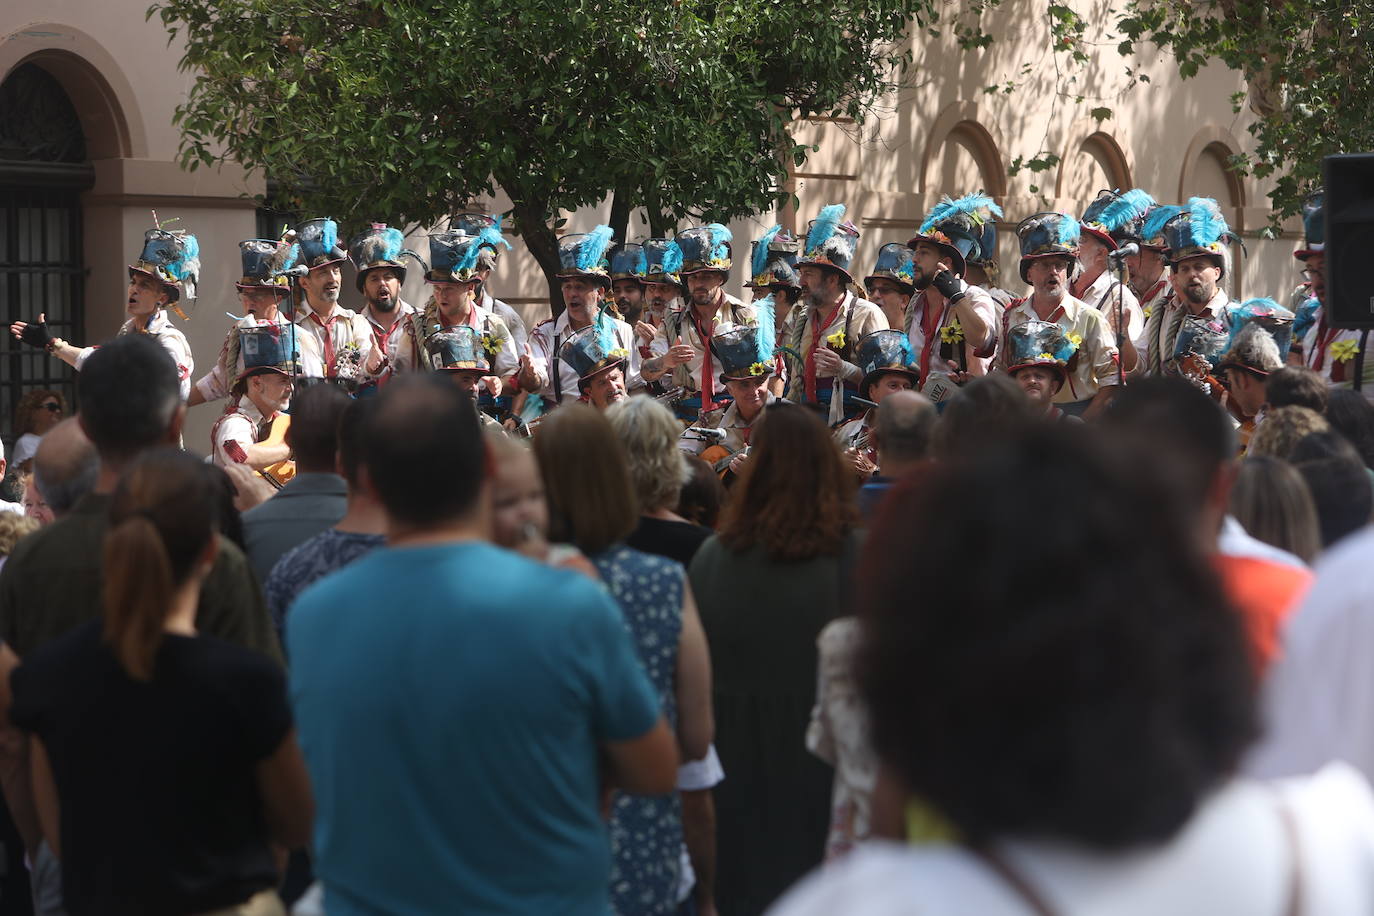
(230, 440)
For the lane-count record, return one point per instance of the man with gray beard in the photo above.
(334, 342)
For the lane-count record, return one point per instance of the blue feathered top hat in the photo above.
(628, 262)
(584, 255)
(1261, 336)
(885, 351)
(830, 242)
(379, 246)
(268, 348)
(319, 241)
(956, 227)
(488, 228)
(263, 263)
(1114, 218)
(987, 247)
(1047, 235)
(1198, 230)
(172, 258)
(773, 260)
(1152, 228)
(1313, 226)
(1040, 343)
(1200, 336)
(894, 263)
(662, 262)
(746, 351)
(705, 248)
(458, 347)
(455, 256)
(593, 349)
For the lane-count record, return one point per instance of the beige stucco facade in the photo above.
(943, 134)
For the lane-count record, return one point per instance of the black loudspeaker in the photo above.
(1349, 181)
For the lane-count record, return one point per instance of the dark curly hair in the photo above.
(1089, 681)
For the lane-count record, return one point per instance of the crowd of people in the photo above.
(919, 597)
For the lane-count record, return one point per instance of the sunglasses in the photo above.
(53, 406)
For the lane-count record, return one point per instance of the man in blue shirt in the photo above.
(456, 702)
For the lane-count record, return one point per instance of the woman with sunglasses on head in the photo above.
(36, 413)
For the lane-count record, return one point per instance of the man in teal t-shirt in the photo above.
(455, 700)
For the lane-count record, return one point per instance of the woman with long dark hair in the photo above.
(767, 583)
(165, 763)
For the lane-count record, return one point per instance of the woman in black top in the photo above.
(165, 764)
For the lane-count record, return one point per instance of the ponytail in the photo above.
(137, 591)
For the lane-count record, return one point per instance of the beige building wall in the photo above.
(943, 134)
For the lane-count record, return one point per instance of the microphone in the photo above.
(1124, 252)
(299, 270)
(705, 432)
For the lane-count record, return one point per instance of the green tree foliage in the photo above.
(408, 109)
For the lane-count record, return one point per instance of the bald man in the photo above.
(903, 432)
(65, 467)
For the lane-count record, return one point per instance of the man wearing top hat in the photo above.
(746, 364)
(681, 348)
(263, 393)
(1260, 341)
(1305, 300)
(595, 354)
(379, 255)
(981, 267)
(889, 366)
(1150, 283)
(487, 257)
(334, 342)
(1049, 262)
(585, 275)
(262, 289)
(952, 325)
(1113, 219)
(1038, 356)
(1198, 259)
(167, 268)
(892, 283)
(663, 290)
(827, 323)
(458, 352)
(454, 257)
(629, 266)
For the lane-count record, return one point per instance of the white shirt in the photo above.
(1233, 858)
(1101, 295)
(392, 341)
(514, 323)
(1319, 356)
(234, 431)
(161, 329)
(1095, 363)
(25, 448)
(316, 342)
(978, 354)
(214, 384)
(548, 338)
(731, 313)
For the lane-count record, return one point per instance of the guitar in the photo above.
(278, 474)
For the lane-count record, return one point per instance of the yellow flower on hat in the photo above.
(836, 340)
(619, 353)
(1075, 340)
(758, 369)
(952, 333)
(1047, 357)
(1343, 351)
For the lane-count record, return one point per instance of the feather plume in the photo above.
(383, 246)
(971, 206)
(605, 331)
(188, 264)
(411, 253)
(823, 226)
(904, 342)
(767, 331)
(1068, 230)
(491, 236)
(672, 258)
(1155, 220)
(329, 235)
(761, 251)
(467, 260)
(1131, 205)
(1205, 221)
(641, 263)
(285, 255)
(593, 247)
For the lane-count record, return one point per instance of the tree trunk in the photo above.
(622, 201)
(542, 243)
(660, 224)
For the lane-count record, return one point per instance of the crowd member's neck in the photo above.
(475, 526)
(894, 468)
(181, 616)
(112, 465)
(1045, 305)
(364, 514)
(384, 320)
(665, 515)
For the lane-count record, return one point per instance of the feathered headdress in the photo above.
(1206, 222)
(972, 209)
(286, 254)
(672, 258)
(605, 330)
(760, 260)
(766, 328)
(1118, 210)
(1155, 218)
(824, 226)
(383, 245)
(720, 236)
(592, 249)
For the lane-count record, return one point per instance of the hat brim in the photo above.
(439, 276)
(329, 262)
(603, 279)
(747, 376)
(585, 380)
(873, 376)
(1306, 253)
(1062, 372)
(1233, 364)
(401, 273)
(906, 286)
(705, 268)
(280, 289)
(1100, 235)
(827, 266)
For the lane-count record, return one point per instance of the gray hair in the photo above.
(65, 467)
(649, 435)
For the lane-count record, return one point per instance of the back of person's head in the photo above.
(983, 409)
(130, 397)
(586, 479)
(1171, 420)
(424, 450)
(1271, 501)
(1350, 414)
(648, 435)
(1338, 481)
(905, 425)
(65, 467)
(1296, 386)
(314, 431)
(352, 423)
(1282, 429)
(794, 497)
(702, 495)
(14, 526)
(1020, 701)
(163, 520)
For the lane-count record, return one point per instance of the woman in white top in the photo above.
(36, 413)
(1077, 711)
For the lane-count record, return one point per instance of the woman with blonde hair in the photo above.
(35, 414)
(165, 762)
(1272, 502)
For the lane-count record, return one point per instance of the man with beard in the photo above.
(378, 255)
(458, 352)
(1332, 353)
(1039, 354)
(1111, 221)
(585, 275)
(889, 366)
(952, 326)
(263, 393)
(890, 286)
(594, 353)
(490, 253)
(1049, 260)
(628, 269)
(681, 348)
(1198, 259)
(168, 266)
(335, 342)
(262, 290)
(825, 327)
(746, 364)
(1151, 285)
(663, 290)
